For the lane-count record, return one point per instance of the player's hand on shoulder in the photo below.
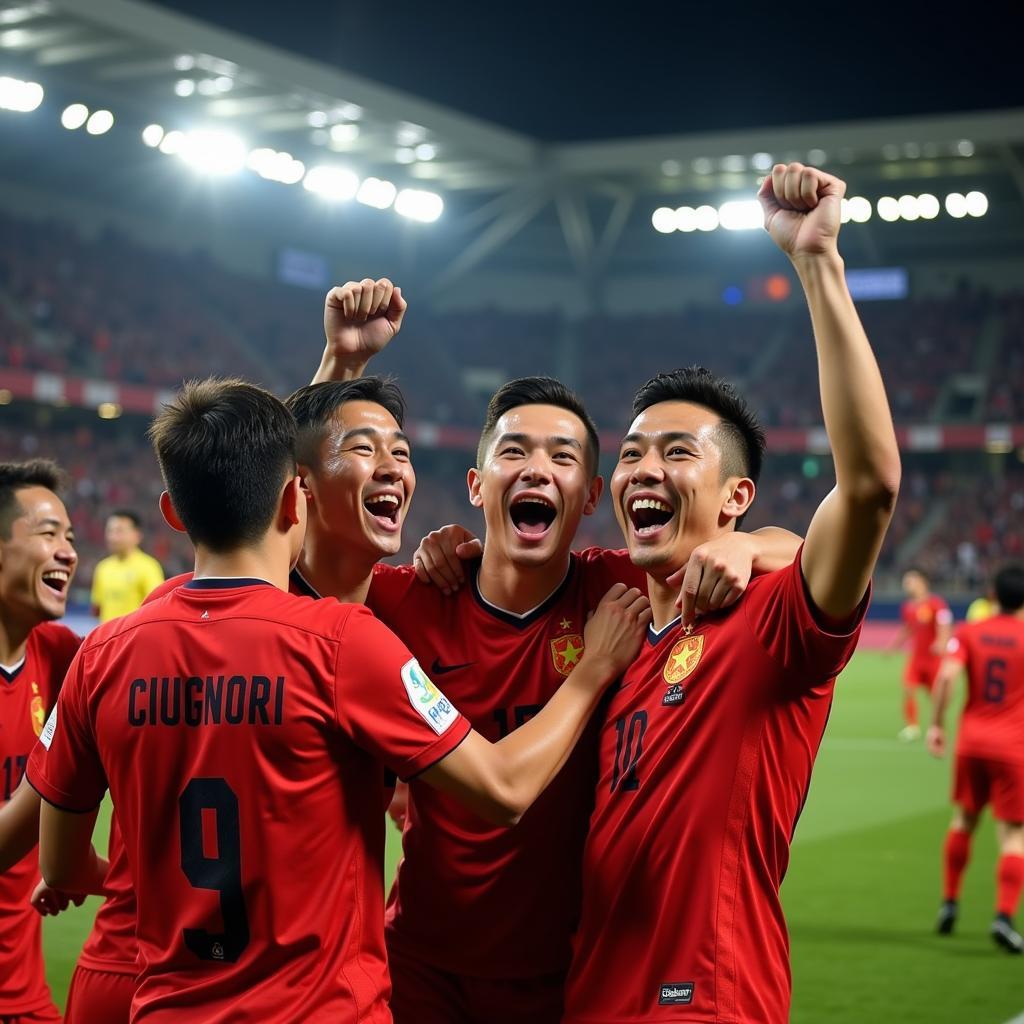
(615, 630)
(802, 209)
(398, 809)
(438, 559)
(935, 740)
(49, 902)
(361, 317)
(715, 575)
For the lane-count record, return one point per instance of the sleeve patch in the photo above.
(46, 737)
(430, 703)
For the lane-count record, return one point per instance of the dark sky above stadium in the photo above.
(561, 71)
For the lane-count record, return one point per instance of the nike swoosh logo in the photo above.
(437, 669)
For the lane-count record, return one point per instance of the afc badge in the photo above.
(38, 712)
(566, 652)
(683, 658)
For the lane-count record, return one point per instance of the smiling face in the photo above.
(668, 486)
(38, 558)
(360, 490)
(534, 484)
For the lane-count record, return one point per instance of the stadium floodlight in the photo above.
(664, 220)
(342, 134)
(184, 87)
(334, 183)
(152, 135)
(13, 15)
(376, 192)
(817, 157)
(207, 87)
(222, 83)
(184, 62)
(275, 166)
(928, 206)
(741, 215)
(209, 151)
(908, 208)
(108, 410)
(317, 119)
(74, 116)
(702, 165)
(425, 207)
(977, 204)
(888, 209)
(762, 161)
(23, 97)
(100, 122)
(172, 142)
(425, 151)
(671, 168)
(404, 155)
(956, 205)
(409, 134)
(348, 112)
(734, 164)
(965, 147)
(706, 218)
(686, 219)
(859, 209)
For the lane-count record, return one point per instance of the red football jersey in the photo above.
(470, 898)
(923, 618)
(993, 718)
(241, 730)
(706, 751)
(27, 693)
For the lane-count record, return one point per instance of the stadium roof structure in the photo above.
(583, 208)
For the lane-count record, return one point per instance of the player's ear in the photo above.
(473, 480)
(293, 501)
(594, 495)
(738, 498)
(304, 477)
(170, 516)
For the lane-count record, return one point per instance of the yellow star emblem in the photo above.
(566, 652)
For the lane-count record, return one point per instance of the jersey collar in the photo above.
(226, 583)
(655, 636)
(10, 672)
(521, 621)
(303, 586)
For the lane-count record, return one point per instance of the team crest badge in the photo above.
(683, 659)
(566, 652)
(38, 714)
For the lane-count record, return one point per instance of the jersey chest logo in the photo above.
(37, 711)
(683, 659)
(566, 652)
(924, 613)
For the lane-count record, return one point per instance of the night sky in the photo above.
(561, 72)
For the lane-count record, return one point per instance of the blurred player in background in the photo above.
(927, 624)
(707, 744)
(37, 565)
(983, 607)
(127, 575)
(989, 765)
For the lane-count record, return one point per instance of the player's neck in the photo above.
(123, 556)
(516, 589)
(263, 562)
(663, 602)
(335, 577)
(13, 638)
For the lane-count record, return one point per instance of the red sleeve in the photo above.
(388, 589)
(781, 614)
(62, 646)
(958, 647)
(167, 586)
(386, 702)
(64, 767)
(605, 567)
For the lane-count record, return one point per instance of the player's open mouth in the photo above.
(56, 580)
(649, 514)
(384, 509)
(532, 515)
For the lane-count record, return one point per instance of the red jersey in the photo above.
(27, 693)
(240, 731)
(471, 898)
(706, 751)
(111, 944)
(923, 619)
(992, 651)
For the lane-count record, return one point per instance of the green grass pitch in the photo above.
(863, 885)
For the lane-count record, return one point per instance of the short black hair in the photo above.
(740, 436)
(1010, 587)
(225, 448)
(127, 513)
(538, 391)
(15, 476)
(314, 407)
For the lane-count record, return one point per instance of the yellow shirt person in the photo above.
(124, 579)
(981, 608)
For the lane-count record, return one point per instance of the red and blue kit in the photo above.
(990, 743)
(469, 898)
(28, 691)
(241, 731)
(923, 619)
(706, 752)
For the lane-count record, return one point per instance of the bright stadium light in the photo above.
(348, 112)
(342, 134)
(741, 215)
(686, 219)
(334, 183)
(152, 135)
(210, 151)
(956, 205)
(23, 97)
(706, 218)
(425, 207)
(184, 62)
(376, 192)
(702, 165)
(100, 122)
(184, 87)
(404, 155)
(859, 208)
(734, 164)
(977, 204)
(664, 220)
(888, 209)
(928, 206)
(172, 142)
(425, 151)
(908, 208)
(317, 119)
(74, 116)
(275, 166)
(762, 161)
(965, 147)
(207, 87)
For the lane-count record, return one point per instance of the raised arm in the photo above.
(802, 215)
(360, 318)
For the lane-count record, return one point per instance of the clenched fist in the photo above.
(802, 210)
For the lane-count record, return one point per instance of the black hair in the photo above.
(127, 513)
(15, 476)
(1010, 587)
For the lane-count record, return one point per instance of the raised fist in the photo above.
(802, 209)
